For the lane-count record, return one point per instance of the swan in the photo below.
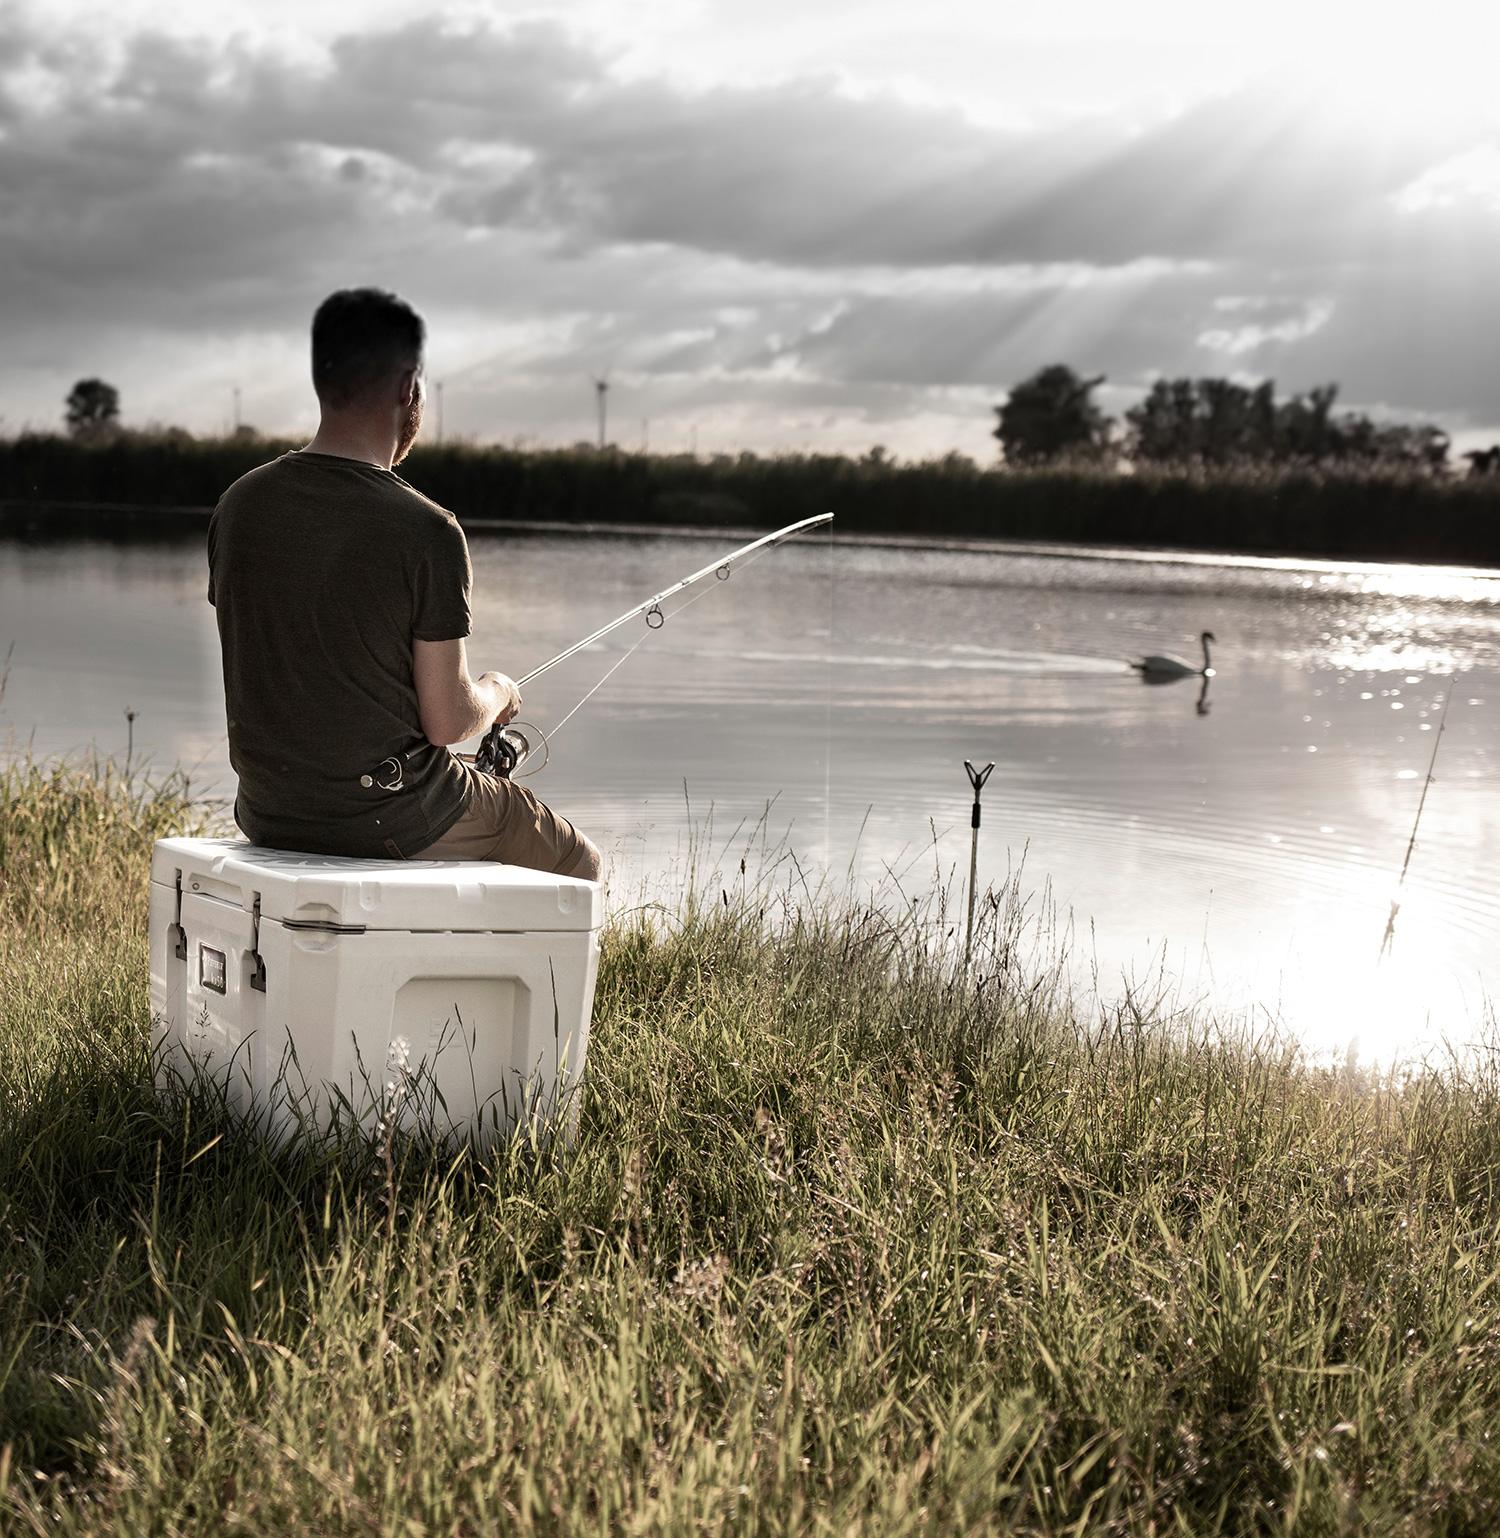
(1160, 669)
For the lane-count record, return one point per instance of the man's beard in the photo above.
(410, 427)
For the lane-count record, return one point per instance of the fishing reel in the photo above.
(502, 750)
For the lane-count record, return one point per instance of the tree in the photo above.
(1419, 447)
(1202, 421)
(1218, 422)
(1305, 429)
(1052, 416)
(92, 406)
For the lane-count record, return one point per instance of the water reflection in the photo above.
(1251, 852)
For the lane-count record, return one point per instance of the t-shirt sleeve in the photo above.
(213, 550)
(440, 589)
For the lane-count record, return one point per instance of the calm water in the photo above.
(1249, 854)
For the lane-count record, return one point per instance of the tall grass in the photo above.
(844, 1243)
(1331, 512)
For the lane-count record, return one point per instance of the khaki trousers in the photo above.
(506, 822)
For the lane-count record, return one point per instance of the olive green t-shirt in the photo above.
(322, 571)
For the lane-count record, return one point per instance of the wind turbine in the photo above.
(601, 386)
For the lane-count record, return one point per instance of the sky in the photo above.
(802, 224)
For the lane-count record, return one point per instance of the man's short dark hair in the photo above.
(360, 338)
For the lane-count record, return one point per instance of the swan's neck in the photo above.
(1206, 662)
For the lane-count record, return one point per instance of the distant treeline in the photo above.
(1332, 511)
(1219, 424)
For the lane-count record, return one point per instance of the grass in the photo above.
(843, 1245)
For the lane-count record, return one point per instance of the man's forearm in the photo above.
(452, 705)
(487, 698)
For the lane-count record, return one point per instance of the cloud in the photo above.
(1469, 178)
(775, 256)
(1253, 336)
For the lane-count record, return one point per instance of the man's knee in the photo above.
(587, 863)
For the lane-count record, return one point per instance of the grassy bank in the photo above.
(841, 1246)
(1373, 515)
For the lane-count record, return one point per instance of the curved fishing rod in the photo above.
(498, 753)
(719, 568)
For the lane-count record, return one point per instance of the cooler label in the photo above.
(211, 971)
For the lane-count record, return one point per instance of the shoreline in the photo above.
(30, 519)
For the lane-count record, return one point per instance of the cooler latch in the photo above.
(176, 934)
(257, 965)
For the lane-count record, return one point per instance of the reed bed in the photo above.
(1330, 510)
(845, 1243)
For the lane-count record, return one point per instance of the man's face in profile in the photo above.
(413, 423)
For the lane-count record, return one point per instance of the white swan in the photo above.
(1160, 669)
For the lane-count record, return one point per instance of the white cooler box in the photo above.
(301, 979)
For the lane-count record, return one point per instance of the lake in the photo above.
(1245, 853)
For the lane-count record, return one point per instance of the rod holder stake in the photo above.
(977, 777)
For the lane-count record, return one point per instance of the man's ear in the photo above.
(407, 385)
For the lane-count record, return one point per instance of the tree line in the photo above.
(1052, 419)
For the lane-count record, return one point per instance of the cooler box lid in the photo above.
(330, 892)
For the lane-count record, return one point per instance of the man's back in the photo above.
(323, 570)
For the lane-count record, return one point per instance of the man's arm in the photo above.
(452, 706)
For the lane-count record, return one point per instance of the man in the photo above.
(342, 597)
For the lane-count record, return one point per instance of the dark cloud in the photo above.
(785, 239)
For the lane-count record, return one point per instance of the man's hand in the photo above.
(452, 706)
(507, 696)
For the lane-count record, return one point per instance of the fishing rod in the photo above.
(503, 747)
(1411, 843)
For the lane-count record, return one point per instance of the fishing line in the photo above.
(522, 727)
(598, 686)
(503, 750)
(651, 630)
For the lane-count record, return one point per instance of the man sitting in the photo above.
(342, 597)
